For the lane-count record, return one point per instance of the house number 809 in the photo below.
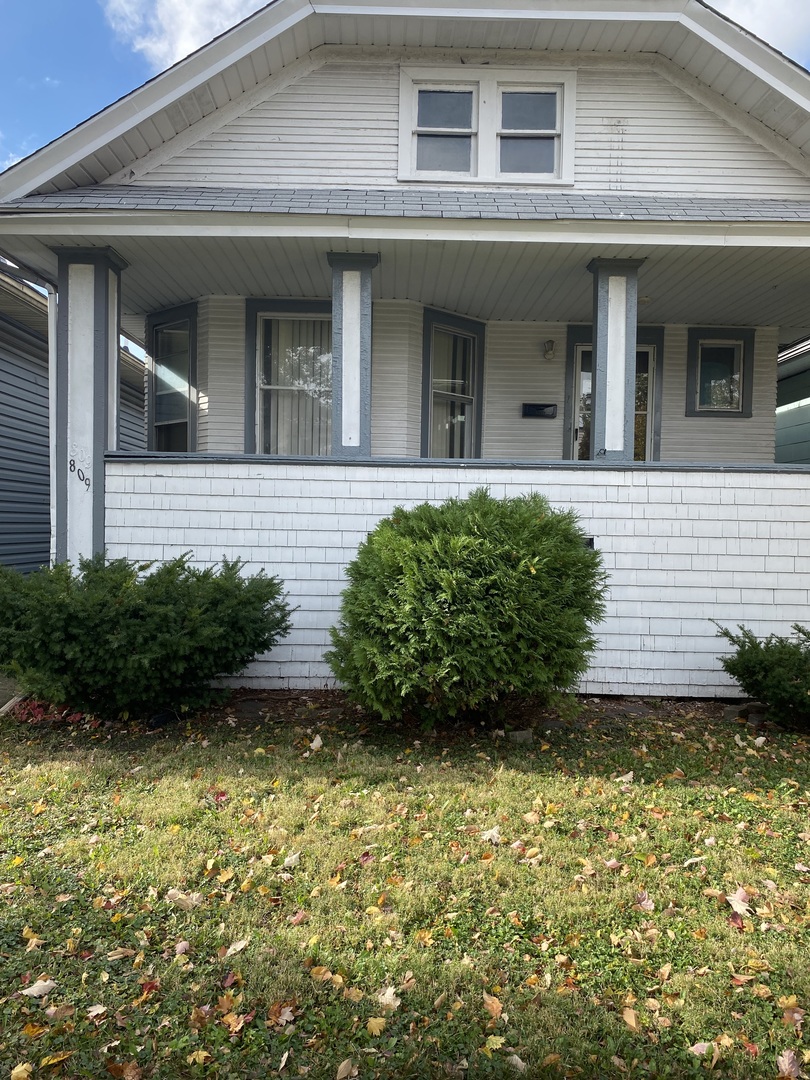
(80, 473)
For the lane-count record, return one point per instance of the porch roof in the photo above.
(416, 202)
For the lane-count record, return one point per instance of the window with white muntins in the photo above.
(490, 125)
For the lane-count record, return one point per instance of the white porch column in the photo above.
(85, 421)
(351, 353)
(615, 320)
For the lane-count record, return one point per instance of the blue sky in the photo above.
(63, 60)
(61, 63)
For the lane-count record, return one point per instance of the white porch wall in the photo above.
(396, 378)
(718, 438)
(681, 547)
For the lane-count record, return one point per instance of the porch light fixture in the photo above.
(548, 349)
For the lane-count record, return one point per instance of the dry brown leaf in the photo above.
(630, 1017)
(22, 1071)
(346, 1069)
(376, 1025)
(493, 1005)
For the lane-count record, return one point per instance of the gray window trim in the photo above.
(154, 322)
(432, 318)
(746, 337)
(253, 309)
(583, 335)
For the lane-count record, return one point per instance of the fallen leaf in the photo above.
(630, 1017)
(493, 1005)
(56, 1059)
(517, 1064)
(292, 860)
(700, 1049)
(739, 901)
(40, 988)
(237, 947)
(376, 1025)
(788, 1065)
(346, 1069)
(316, 744)
(388, 998)
(21, 1071)
(199, 1057)
(120, 954)
(185, 901)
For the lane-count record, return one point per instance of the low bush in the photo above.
(453, 608)
(118, 639)
(774, 670)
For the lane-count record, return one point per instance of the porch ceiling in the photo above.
(480, 278)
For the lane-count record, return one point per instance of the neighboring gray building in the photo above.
(24, 451)
(793, 405)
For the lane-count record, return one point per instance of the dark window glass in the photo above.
(527, 155)
(445, 109)
(522, 111)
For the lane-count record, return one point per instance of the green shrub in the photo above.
(774, 670)
(120, 639)
(455, 607)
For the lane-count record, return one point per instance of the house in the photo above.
(793, 405)
(25, 523)
(386, 253)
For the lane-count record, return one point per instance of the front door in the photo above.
(645, 395)
(452, 386)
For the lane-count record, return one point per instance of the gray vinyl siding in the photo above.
(716, 438)
(131, 418)
(221, 374)
(793, 420)
(339, 125)
(24, 453)
(516, 372)
(396, 378)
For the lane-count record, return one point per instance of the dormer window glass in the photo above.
(493, 125)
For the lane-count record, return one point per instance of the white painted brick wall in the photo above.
(678, 545)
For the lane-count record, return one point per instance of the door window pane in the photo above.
(452, 428)
(524, 111)
(452, 363)
(296, 387)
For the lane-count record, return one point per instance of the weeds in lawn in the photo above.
(283, 888)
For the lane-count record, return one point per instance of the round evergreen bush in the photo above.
(452, 608)
(120, 639)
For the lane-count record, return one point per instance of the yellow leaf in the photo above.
(320, 974)
(354, 994)
(495, 1042)
(22, 1071)
(38, 808)
(18, 860)
(424, 937)
(199, 1057)
(56, 1059)
(376, 1025)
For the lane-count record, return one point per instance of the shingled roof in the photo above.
(418, 203)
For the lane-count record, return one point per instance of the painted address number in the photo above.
(80, 473)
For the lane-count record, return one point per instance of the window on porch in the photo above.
(295, 387)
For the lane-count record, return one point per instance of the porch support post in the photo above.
(86, 398)
(351, 353)
(615, 321)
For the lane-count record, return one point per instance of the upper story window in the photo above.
(490, 125)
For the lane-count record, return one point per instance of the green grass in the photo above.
(222, 900)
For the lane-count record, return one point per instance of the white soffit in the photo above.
(708, 47)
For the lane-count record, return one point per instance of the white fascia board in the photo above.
(108, 226)
(117, 119)
(575, 10)
(753, 55)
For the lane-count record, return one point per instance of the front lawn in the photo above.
(285, 888)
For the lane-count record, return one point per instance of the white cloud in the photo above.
(167, 30)
(785, 24)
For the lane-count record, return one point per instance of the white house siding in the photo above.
(516, 371)
(681, 547)
(718, 438)
(221, 374)
(338, 126)
(396, 378)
